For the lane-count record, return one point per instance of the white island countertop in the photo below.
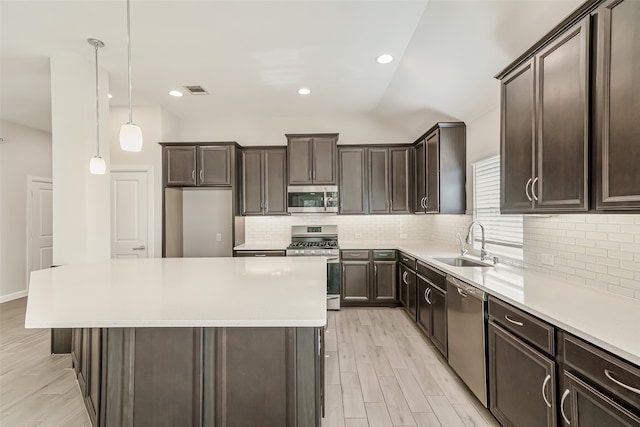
(180, 292)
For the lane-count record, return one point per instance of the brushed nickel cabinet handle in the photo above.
(526, 189)
(404, 278)
(201, 175)
(564, 397)
(314, 174)
(515, 322)
(375, 270)
(533, 190)
(426, 295)
(193, 175)
(260, 255)
(309, 174)
(462, 293)
(544, 387)
(621, 384)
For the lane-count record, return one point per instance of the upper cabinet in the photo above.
(440, 169)
(389, 179)
(352, 167)
(264, 181)
(312, 159)
(545, 128)
(577, 84)
(617, 106)
(187, 165)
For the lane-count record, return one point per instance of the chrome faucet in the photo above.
(484, 254)
(463, 250)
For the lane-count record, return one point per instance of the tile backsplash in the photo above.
(601, 251)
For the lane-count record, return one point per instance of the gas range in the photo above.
(316, 240)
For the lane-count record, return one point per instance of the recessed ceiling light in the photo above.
(175, 93)
(304, 91)
(384, 59)
(110, 96)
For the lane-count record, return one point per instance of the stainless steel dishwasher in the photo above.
(466, 335)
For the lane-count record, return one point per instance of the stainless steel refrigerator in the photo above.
(198, 222)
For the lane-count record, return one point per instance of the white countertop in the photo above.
(181, 292)
(609, 321)
(267, 245)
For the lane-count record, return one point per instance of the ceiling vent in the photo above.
(196, 90)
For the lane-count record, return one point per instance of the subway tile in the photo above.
(593, 235)
(586, 227)
(586, 243)
(620, 237)
(576, 249)
(596, 252)
(607, 245)
(608, 228)
(630, 283)
(586, 274)
(608, 279)
(620, 273)
(620, 255)
(597, 268)
(630, 265)
(620, 219)
(595, 219)
(620, 290)
(586, 258)
(609, 262)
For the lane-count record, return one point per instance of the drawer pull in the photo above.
(426, 295)
(621, 384)
(462, 293)
(404, 278)
(405, 259)
(564, 397)
(544, 387)
(515, 322)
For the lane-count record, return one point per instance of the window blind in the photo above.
(501, 230)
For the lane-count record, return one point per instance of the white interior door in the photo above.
(129, 214)
(41, 225)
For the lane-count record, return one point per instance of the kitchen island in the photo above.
(191, 342)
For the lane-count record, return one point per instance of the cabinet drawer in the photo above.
(435, 276)
(355, 255)
(408, 260)
(384, 254)
(538, 333)
(616, 376)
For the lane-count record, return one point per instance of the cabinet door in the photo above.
(324, 161)
(384, 282)
(94, 377)
(76, 349)
(517, 130)
(617, 131)
(433, 173)
(423, 306)
(563, 122)
(83, 373)
(355, 281)
(275, 181)
(353, 195)
(420, 177)
(412, 302)
(522, 382)
(180, 165)
(378, 167)
(403, 284)
(584, 406)
(400, 173)
(438, 299)
(299, 161)
(252, 188)
(214, 165)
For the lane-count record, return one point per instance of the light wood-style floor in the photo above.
(380, 372)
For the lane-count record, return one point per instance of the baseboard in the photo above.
(11, 297)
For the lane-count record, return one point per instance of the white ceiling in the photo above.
(252, 56)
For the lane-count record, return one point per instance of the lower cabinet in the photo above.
(215, 377)
(584, 406)
(86, 356)
(522, 382)
(369, 278)
(432, 313)
(407, 289)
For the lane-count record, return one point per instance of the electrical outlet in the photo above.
(218, 236)
(547, 259)
(404, 236)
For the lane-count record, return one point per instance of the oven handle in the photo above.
(333, 260)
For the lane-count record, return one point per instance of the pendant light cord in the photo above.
(97, 105)
(129, 47)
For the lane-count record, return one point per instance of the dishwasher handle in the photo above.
(465, 290)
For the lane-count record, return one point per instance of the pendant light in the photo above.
(97, 165)
(130, 133)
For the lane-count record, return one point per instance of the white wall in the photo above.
(157, 125)
(81, 223)
(25, 152)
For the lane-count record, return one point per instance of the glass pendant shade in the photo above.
(130, 137)
(97, 165)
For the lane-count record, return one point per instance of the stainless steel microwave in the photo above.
(312, 199)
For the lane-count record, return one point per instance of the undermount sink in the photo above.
(462, 262)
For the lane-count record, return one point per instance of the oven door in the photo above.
(333, 283)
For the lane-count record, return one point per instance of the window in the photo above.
(503, 233)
